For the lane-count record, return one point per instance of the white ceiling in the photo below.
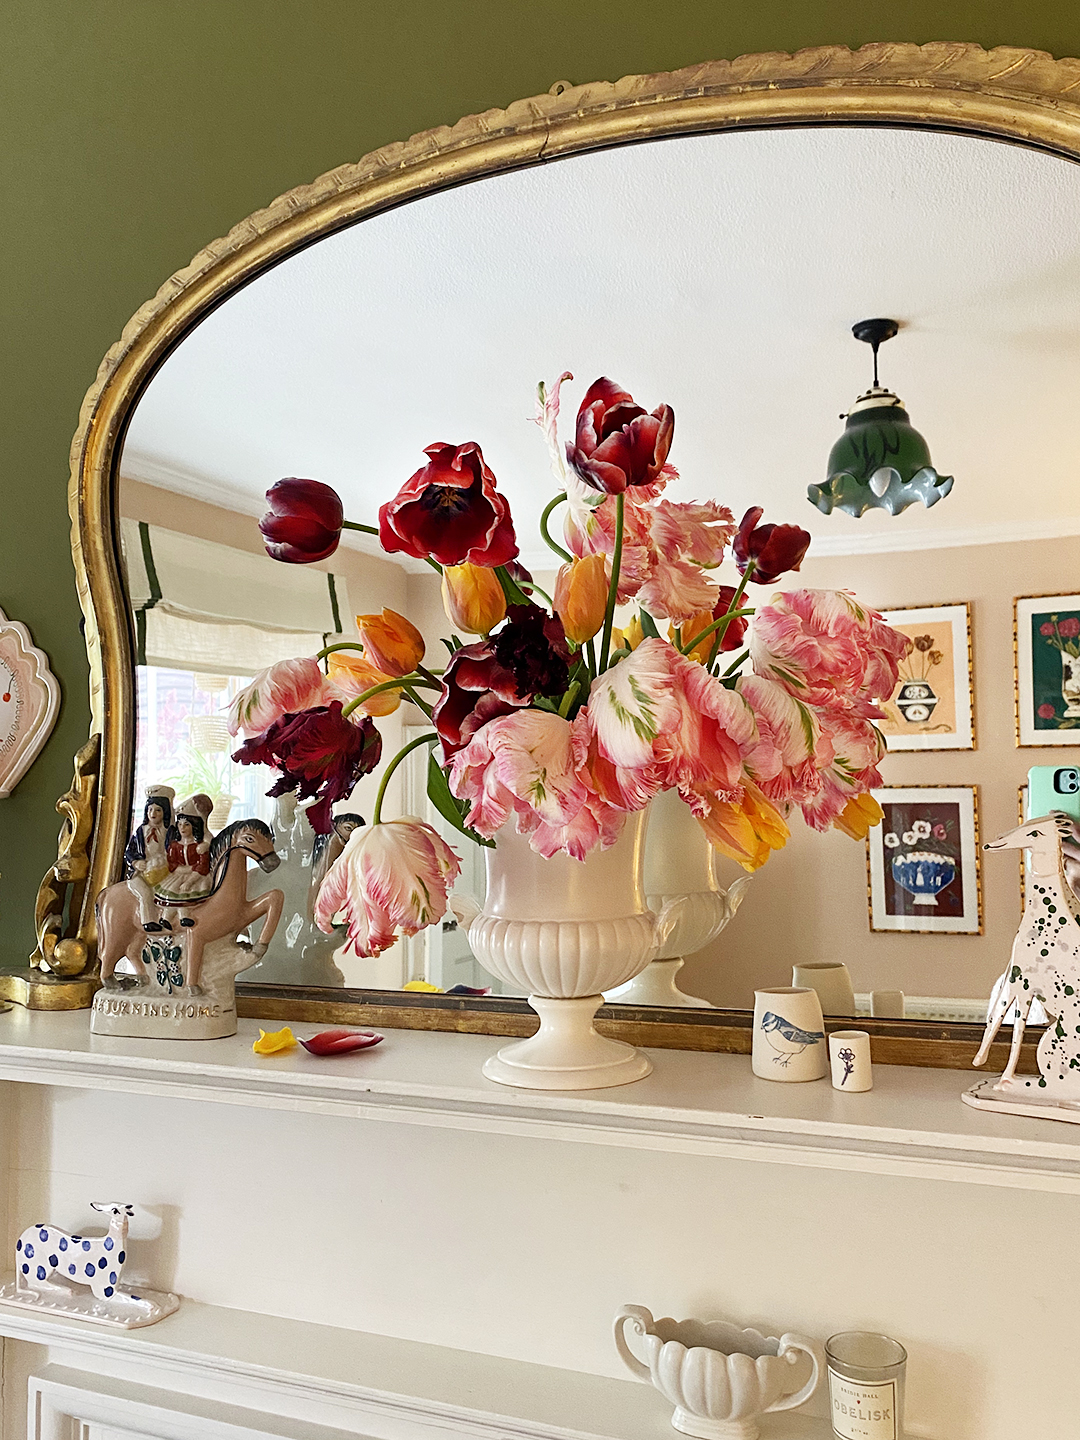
(720, 274)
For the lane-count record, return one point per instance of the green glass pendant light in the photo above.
(881, 462)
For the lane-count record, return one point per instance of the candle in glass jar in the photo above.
(866, 1385)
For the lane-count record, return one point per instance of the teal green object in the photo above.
(881, 462)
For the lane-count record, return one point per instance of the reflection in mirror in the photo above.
(733, 302)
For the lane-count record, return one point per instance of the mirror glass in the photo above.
(720, 274)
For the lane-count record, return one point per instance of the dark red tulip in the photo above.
(316, 752)
(774, 549)
(733, 635)
(532, 644)
(340, 1042)
(450, 511)
(617, 444)
(476, 688)
(303, 522)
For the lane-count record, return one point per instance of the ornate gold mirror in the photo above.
(708, 237)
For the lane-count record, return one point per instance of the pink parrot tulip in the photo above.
(390, 880)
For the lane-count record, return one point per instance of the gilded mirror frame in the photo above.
(1022, 96)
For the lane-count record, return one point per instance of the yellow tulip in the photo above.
(392, 643)
(472, 598)
(746, 830)
(628, 638)
(353, 674)
(581, 596)
(273, 1042)
(859, 816)
(424, 986)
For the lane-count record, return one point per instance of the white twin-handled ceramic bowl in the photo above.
(719, 1378)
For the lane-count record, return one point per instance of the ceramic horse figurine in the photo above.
(1045, 964)
(222, 914)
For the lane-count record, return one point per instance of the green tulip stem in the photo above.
(590, 651)
(510, 588)
(720, 626)
(354, 525)
(569, 698)
(345, 645)
(613, 589)
(394, 763)
(553, 544)
(399, 684)
(420, 704)
(736, 663)
(542, 593)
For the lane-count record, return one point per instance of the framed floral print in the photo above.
(923, 864)
(932, 706)
(1046, 642)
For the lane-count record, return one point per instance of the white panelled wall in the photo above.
(525, 1248)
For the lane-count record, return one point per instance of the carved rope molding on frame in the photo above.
(1014, 94)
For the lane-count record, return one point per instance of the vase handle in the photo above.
(736, 893)
(669, 917)
(791, 1346)
(464, 908)
(641, 1319)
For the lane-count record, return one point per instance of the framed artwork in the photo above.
(932, 706)
(1046, 645)
(923, 863)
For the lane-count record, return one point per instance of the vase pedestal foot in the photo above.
(656, 986)
(566, 1053)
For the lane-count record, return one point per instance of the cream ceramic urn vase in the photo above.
(679, 877)
(565, 930)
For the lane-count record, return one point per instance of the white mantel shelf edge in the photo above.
(375, 1385)
(911, 1124)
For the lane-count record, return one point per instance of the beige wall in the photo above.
(809, 903)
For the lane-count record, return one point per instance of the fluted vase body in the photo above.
(565, 930)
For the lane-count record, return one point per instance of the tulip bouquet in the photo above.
(550, 717)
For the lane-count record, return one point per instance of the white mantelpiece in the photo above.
(911, 1124)
(393, 1203)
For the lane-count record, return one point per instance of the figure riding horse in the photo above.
(222, 913)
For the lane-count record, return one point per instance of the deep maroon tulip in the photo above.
(617, 443)
(733, 635)
(316, 752)
(303, 522)
(341, 1042)
(533, 645)
(476, 688)
(450, 511)
(774, 549)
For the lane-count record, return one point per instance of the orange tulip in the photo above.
(629, 638)
(352, 674)
(472, 598)
(746, 830)
(581, 596)
(859, 816)
(689, 629)
(392, 643)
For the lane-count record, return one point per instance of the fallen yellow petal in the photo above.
(423, 985)
(270, 1042)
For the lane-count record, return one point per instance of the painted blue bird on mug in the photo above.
(787, 1039)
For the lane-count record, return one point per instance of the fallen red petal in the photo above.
(340, 1042)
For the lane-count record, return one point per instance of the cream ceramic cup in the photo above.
(831, 980)
(849, 1056)
(789, 1035)
(887, 1004)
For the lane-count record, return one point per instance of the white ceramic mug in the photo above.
(849, 1055)
(789, 1034)
(831, 980)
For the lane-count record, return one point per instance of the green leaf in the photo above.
(648, 625)
(448, 805)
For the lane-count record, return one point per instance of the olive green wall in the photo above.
(134, 131)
